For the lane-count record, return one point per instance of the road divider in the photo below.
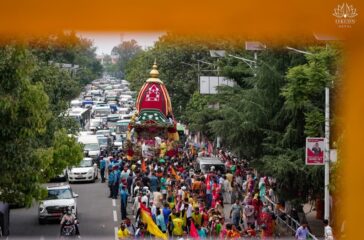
(116, 233)
(115, 215)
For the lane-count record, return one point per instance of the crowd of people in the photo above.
(184, 202)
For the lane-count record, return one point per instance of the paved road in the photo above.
(98, 216)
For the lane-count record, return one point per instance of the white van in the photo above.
(91, 145)
(207, 164)
(122, 127)
(102, 110)
(95, 124)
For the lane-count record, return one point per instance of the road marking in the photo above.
(115, 216)
(116, 233)
(113, 203)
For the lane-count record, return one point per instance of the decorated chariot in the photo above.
(152, 131)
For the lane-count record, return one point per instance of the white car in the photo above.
(118, 143)
(59, 198)
(86, 171)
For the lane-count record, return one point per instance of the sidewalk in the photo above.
(316, 225)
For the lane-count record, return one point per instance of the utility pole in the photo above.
(198, 76)
(255, 58)
(327, 152)
(255, 62)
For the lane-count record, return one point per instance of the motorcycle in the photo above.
(68, 229)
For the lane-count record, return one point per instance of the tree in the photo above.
(70, 49)
(111, 67)
(198, 110)
(266, 118)
(35, 140)
(59, 85)
(24, 112)
(66, 152)
(126, 51)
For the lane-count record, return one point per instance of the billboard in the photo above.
(208, 84)
(315, 151)
(254, 46)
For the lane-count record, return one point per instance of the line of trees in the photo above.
(34, 140)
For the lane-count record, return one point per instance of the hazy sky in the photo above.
(106, 41)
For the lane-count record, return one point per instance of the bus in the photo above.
(81, 115)
(122, 127)
(102, 111)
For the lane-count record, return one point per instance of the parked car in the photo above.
(86, 171)
(59, 198)
(4, 219)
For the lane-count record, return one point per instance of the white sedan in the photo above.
(86, 171)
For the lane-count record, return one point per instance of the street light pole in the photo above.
(255, 58)
(327, 153)
(199, 70)
(198, 76)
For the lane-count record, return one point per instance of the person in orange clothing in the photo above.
(232, 232)
(266, 224)
(250, 231)
(196, 185)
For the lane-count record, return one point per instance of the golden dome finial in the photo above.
(154, 72)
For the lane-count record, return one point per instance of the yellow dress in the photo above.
(177, 227)
(197, 218)
(123, 233)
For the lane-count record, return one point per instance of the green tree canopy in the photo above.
(36, 142)
(68, 48)
(125, 51)
(265, 118)
(24, 112)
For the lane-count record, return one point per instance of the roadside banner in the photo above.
(315, 151)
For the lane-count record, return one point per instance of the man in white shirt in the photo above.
(145, 197)
(189, 209)
(136, 204)
(227, 191)
(157, 198)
